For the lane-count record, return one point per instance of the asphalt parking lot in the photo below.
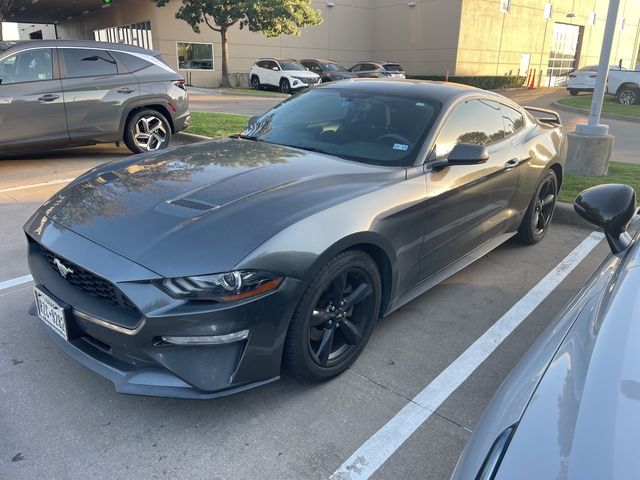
(61, 421)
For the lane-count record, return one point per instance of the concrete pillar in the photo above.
(588, 155)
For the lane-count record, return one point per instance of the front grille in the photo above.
(90, 283)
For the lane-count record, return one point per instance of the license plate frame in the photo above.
(51, 313)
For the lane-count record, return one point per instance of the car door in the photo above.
(97, 94)
(468, 205)
(31, 101)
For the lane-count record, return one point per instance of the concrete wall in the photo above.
(26, 29)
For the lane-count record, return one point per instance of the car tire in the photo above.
(255, 82)
(326, 336)
(537, 219)
(146, 131)
(628, 96)
(285, 86)
(573, 92)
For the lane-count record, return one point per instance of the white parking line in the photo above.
(15, 281)
(375, 451)
(35, 185)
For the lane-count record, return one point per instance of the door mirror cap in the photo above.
(468, 154)
(610, 207)
(275, 69)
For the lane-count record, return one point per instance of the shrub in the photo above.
(485, 82)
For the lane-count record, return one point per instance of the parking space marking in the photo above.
(35, 185)
(378, 448)
(15, 281)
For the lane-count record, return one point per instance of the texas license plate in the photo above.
(51, 313)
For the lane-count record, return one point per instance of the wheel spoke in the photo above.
(325, 347)
(350, 332)
(548, 199)
(337, 288)
(358, 295)
(536, 218)
(542, 221)
(319, 317)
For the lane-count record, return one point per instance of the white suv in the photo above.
(283, 73)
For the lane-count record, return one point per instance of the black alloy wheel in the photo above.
(536, 221)
(335, 318)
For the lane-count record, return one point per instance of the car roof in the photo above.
(82, 43)
(319, 60)
(278, 59)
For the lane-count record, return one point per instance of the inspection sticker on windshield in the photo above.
(400, 146)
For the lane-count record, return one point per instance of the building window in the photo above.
(138, 34)
(195, 56)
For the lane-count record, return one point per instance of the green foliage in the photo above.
(627, 173)
(271, 17)
(217, 124)
(610, 105)
(486, 82)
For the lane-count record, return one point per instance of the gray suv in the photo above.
(57, 93)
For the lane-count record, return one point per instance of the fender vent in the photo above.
(192, 204)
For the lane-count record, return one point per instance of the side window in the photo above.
(513, 120)
(314, 67)
(368, 67)
(131, 62)
(474, 121)
(83, 62)
(274, 64)
(29, 66)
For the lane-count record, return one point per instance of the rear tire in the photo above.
(628, 96)
(573, 92)
(335, 318)
(147, 131)
(537, 220)
(255, 82)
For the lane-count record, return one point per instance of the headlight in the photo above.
(222, 287)
(491, 464)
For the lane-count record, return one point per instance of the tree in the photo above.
(270, 17)
(5, 5)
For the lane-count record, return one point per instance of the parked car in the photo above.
(625, 85)
(377, 70)
(56, 93)
(197, 272)
(584, 79)
(569, 410)
(285, 74)
(328, 70)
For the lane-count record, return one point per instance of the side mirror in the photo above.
(610, 207)
(275, 69)
(468, 154)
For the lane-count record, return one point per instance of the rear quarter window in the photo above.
(131, 62)
(392, 67)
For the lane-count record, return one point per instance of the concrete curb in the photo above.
(190, 137)
(565, 214)
(613, 116)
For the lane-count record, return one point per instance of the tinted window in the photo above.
(512, 119)
(29, 66)
(333, 67)
(294, 66)
(392, 67)
(474, 121)
(131, 62)
(356, 68)
(363, 126)
(270, 64)
(262, 64)
(369, 66)
(83, 62)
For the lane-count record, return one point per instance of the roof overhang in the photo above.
(51, 11)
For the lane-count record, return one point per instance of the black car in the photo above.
(197, 272)
(328, 70)
(62, 93)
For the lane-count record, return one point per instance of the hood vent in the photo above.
(192, 204)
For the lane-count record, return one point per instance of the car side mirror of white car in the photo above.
(610, 207)
(275, 69)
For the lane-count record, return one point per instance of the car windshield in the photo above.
(333, 67)
(291, 66)
(363, 126)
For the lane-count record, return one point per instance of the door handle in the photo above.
(126, 90)
(514, 162)
(49, 97)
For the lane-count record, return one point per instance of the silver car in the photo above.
(570, 410)
(56, 93)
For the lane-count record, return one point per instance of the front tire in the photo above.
(627, 96)
(536, 221)
(285, 86)
(573, 92)
(335, 318)
(147, 131)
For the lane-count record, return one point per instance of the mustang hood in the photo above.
(207, 205)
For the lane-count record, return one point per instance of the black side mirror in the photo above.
(610, 207)
(468, 154)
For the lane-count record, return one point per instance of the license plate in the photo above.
(51, 313)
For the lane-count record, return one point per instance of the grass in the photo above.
(216, 124)
(251, 91)
(610, 105)
(618, 173)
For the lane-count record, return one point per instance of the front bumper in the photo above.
(124, 344)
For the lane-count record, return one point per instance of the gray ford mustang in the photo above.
(197, 272)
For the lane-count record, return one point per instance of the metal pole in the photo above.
(593, 127)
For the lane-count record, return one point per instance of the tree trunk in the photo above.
(224, 83)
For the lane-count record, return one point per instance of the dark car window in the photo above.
(270, 64)
(292, 66)
(392, 67)
(84, 62)
(333, 67)
(513, 120)
(474, 121)
(29, 66)
(262, 64)
(131, 62)
(363, 126)
(366, 67)
(356, 68)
